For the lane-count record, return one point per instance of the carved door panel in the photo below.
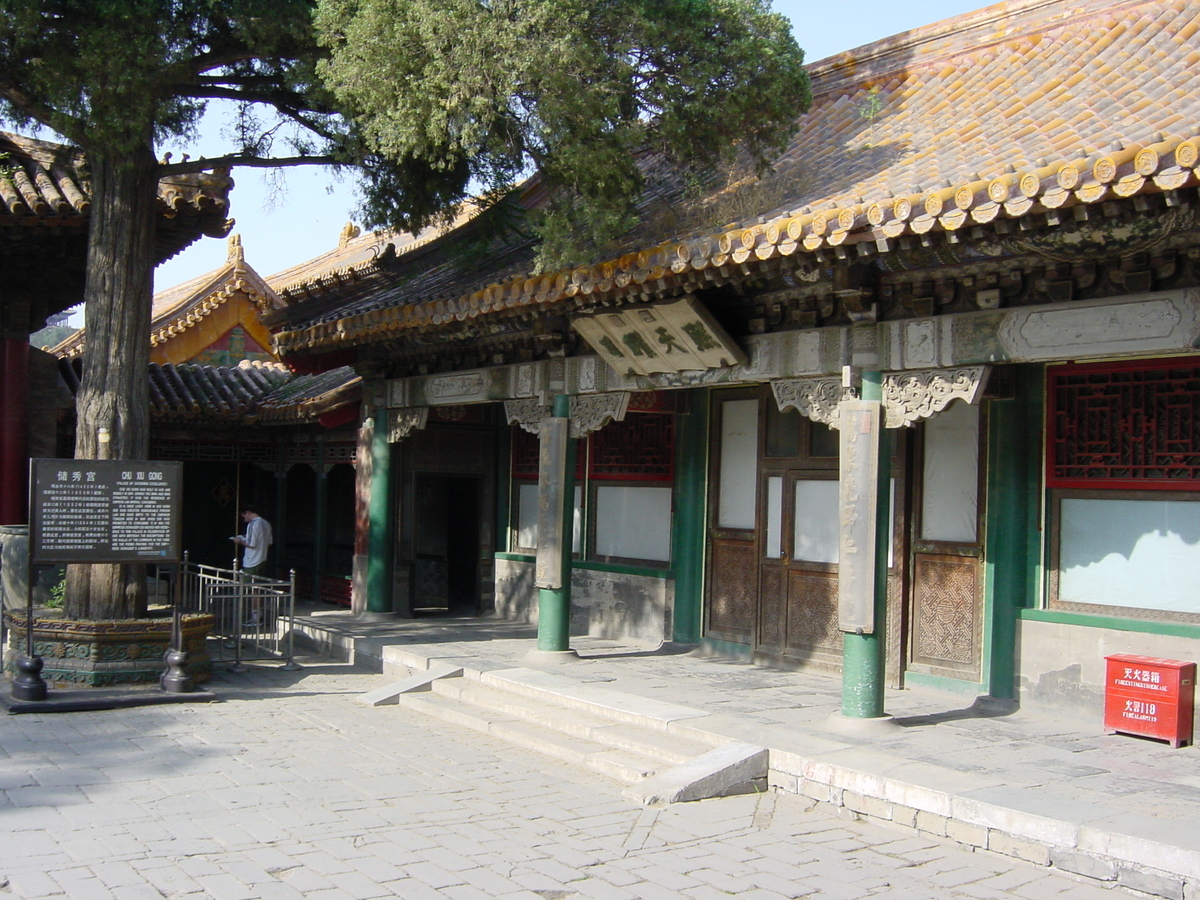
(946, 618)
(731, 591)
(732, 582)
(810, 583)
(797, 578)
(945, 626)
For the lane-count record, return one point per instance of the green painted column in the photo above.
(1013, 482)
(379, 548)
(863, 654)
(554, 606)
(321, 531)
(687, 538)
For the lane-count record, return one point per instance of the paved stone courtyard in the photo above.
(289, 789)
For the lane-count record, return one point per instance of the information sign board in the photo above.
(104, 511)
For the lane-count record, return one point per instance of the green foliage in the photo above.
(432, 100)
(58, 593)
(115, 74)
(482, 94)
(872, 106)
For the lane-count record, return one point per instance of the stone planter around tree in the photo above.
(78, 653)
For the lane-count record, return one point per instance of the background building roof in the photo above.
(1020, 109)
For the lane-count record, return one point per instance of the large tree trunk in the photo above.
(113, 409)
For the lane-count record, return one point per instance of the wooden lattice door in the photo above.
(732, 539)
(945, 625)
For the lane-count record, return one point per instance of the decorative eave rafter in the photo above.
(1077, 182)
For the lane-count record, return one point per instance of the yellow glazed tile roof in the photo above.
(1017, 109)
(180, 310)
(44, 185)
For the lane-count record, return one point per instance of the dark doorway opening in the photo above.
(447, 533)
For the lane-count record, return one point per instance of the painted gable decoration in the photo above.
(214, 319)
(671, 337)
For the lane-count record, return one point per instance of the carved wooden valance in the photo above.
(403, 422)
(814, 398)
(908, 397)
(589, 412)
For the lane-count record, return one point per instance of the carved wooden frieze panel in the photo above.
(814, 398)
(1155, 323)
(909, 397)
(528, 413)
(403, 422)
(459, 387)
(589, 412)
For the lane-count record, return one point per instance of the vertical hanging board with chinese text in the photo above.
(552, 475)
(859, 422)
(104, 510)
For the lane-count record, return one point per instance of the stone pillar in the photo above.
(863, 649)
(556, 496)
(379, 562)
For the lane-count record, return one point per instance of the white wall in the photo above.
(603, 604)
(1060, 668)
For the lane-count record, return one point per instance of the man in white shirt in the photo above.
(257, 539)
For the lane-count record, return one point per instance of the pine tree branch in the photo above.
(69, 126)
(268, 98)
(204, 164)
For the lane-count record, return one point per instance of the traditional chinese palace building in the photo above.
(991, 222)
(248, 429)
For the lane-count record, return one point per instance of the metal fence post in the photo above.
(239, 597)
(291, 665)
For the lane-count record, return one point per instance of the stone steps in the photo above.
(644, 745)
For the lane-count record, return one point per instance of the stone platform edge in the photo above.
(1097, 854)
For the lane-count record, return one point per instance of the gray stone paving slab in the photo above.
(294, 790)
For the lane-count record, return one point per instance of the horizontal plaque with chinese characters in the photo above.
(677, 336)
(104, 511)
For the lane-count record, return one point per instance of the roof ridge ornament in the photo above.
(349, 232)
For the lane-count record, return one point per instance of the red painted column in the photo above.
(14, 430)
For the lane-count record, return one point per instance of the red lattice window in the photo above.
(641, 448)
(524, 454)
(1124, 425)
(526, 451)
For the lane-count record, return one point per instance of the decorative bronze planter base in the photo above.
(80, 654)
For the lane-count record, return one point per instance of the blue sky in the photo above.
(302, 214)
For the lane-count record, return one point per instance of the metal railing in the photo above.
(254, 616)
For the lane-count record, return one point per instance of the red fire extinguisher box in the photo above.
(1149, 697)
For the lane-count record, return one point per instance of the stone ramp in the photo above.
(643, 744)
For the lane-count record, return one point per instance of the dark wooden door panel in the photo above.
(733, 574)
(813, 612)
(771, 623)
